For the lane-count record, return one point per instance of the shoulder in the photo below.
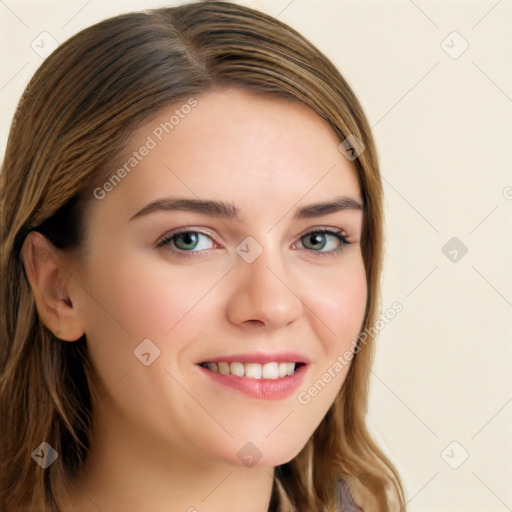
(345, 501)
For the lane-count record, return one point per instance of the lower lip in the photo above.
(265, 389)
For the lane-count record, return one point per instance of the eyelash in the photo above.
(339, 234)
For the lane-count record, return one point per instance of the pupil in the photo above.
(316, 236)
(189, 238)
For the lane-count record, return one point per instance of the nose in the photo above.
(264, 293)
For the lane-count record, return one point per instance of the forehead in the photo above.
(238, 146)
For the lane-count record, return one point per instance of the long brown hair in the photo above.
(72, 123)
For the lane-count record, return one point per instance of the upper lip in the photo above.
(259, 357)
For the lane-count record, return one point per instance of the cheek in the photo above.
(339, 305)
(337, 312)
(142, 298)
(129, 300)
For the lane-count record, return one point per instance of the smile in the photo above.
(272, 370)
(267, 379)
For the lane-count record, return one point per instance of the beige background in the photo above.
(443, 130)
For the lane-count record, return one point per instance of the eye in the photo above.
(315, 241)
(185, 241)
(321, 241)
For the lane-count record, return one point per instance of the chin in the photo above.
(262, 454)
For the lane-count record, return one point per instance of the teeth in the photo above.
(283, 369)
(253, 370)
(213, 367)
(269, 371)
(224, 368)
(237, 369)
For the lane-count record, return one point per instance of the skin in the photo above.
(166, 437)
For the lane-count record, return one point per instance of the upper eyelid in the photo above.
(211, 233)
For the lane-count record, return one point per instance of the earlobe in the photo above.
(50, 283)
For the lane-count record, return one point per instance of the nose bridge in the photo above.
(264, 291)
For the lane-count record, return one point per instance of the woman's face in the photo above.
(255, 291)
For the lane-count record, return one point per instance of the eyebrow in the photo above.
(229, 211)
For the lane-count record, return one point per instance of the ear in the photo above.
(50, 283)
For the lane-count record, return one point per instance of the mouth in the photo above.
(272, 370)
(262, 375)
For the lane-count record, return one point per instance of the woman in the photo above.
(138, 374)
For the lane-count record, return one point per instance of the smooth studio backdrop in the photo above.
(435, 80)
